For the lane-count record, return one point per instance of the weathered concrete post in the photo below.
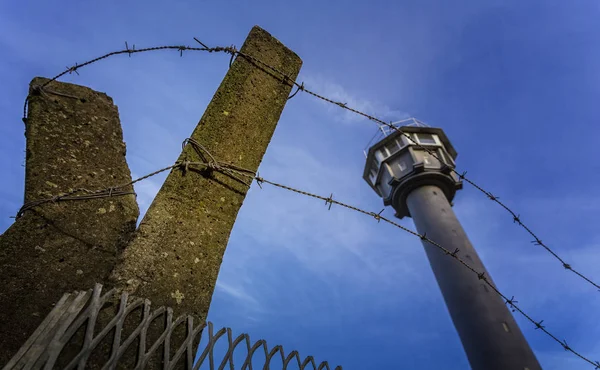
(176, 254)
(74, 140)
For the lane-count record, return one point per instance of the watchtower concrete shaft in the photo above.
(422, 186)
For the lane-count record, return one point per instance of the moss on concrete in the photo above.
(175, 257)
(64, 246)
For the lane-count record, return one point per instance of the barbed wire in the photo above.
(89, 194)
(462, 175)
(284, 78)
(246, 177)
(181, 48)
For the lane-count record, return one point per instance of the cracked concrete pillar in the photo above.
(74, 140)
(175, 257)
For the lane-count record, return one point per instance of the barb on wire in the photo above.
(329, 201)
(201, 43)
(492, 197)
(538, 325)
(259, 180)
(511, 302)
(300, 87)
(377, 216)
(232, 56)
(73, 69)
(129, 51)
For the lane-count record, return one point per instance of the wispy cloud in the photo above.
(236, 291)
(338, 93)
(337, 250)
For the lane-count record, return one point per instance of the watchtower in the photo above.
(411, 168)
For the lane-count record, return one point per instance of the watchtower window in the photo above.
(373, 175)
(375, 164)
(426, 138)
(392, 147)
(442, 156)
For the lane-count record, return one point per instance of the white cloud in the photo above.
(338, 93)
(237, 292)
(337, 248)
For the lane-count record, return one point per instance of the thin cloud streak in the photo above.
(239, 293)
(338, 93)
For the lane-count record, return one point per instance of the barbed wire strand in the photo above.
(208, 162)
(232, 50)
(462, 175)
(129, 51)
(89, 194)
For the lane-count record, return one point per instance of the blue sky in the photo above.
(514, 84)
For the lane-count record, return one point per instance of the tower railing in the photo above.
(383, 131)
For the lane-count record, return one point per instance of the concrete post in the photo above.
(488, 331)
(74, 140)
(175, 257)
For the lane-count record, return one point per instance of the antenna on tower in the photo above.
(385, 130)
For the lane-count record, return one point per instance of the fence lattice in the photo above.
(81, 311)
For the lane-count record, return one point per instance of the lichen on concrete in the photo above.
(187, 227)
(64, 246)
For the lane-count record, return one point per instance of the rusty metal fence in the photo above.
(79, 314)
